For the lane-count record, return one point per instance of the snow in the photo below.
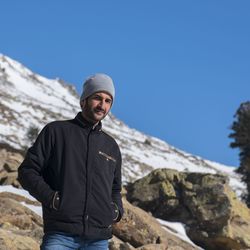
(33, 100)
(35, 209)
(22, 192)
(11, 189)
(177, 229)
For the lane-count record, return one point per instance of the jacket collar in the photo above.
(85, 124)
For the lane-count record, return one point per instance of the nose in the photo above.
(102, 104)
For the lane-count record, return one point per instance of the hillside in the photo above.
(30, 100)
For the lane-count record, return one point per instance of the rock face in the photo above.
(12, 241)
(20, 228)
(9, 163)
(214, 217)
(139, 230)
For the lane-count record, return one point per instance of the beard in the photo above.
(93, 114)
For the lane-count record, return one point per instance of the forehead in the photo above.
(103, 94)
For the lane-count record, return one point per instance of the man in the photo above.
(74, 170)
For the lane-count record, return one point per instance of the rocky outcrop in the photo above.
(9, 163)
(20, 228)
(139, 230)
(214, 217)
(10, 240)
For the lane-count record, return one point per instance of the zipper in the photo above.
(86, 216)
(108, 157)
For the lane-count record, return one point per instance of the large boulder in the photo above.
(20, 228)
(10, 240)
(18, 218)
(139, 230)
(117, 244)
(214, 217)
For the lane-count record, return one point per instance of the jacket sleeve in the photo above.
(30, 171)
(116, 189)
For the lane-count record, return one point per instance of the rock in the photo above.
(233, 234)
(9, 163)
(153, 247)
(19, 198)
(139, 228)
(161, 195)
(214, 217)
(176, 248)
(10, 160)
(175, 243)
(117, 244)
(3, 156)
(142, 231)
(20, 228)
(12, 241)
(9, 179)
(19, 220)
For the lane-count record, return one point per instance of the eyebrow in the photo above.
(106, 98)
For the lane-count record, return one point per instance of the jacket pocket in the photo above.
(56, 201)
(107, 157)
(115, 211)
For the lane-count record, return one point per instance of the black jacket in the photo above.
(82, 164)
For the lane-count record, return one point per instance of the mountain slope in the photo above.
(30, 100)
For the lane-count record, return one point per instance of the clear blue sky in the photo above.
(181, 68)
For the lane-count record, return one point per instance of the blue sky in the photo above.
(181, 68)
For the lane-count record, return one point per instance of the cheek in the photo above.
(92, 105)
(108, 106)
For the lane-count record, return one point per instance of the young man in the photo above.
(74, 170)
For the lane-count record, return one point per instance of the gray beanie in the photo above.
(98, 83)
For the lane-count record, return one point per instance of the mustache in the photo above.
(100, 110)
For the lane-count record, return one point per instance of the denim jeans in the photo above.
(63, 241)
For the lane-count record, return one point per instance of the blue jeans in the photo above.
(63, 241)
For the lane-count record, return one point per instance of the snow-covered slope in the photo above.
(28, 99)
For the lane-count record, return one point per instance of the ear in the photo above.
(82, 103)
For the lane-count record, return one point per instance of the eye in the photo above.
(96, 97)
(109, 101)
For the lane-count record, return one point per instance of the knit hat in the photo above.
(97, 83)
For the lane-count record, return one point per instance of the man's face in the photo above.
(96, 106)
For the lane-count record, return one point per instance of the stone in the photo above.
(9, 163)
(10, 160)
(12, 241)
(138, 227)
(19, 219)
(9, 179)
(153, 247)
(19, 198)
(20, 228)
(213, 215)
(117, 244)
(142, 231)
